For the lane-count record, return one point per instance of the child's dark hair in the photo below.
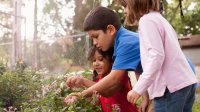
(99, 18)
(106, 54)
(137, 8)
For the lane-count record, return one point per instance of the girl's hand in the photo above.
(71, 98)
(75, 81)
(144, 105)
(132, 96)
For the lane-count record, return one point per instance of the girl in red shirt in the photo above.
(102, 64)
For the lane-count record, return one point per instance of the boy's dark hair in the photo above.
(99, 18)
(106, 54)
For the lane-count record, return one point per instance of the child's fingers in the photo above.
(70, 99)
(77, 81)
(132, 97)
(74, 81)
(70, 81)
(142, 108)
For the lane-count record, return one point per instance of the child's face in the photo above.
(103, 40)
(101, 64)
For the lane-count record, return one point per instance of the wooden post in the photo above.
(17, 46)
(35, 41)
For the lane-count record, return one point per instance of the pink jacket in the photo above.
(164, 64)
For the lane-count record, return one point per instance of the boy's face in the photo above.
(101, 64)
(103, 40)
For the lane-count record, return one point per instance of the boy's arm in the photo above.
(106, 86)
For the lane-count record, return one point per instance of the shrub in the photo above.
(18, 86)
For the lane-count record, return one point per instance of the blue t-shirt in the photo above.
(193, 69)
(126, 51)
(191, 65)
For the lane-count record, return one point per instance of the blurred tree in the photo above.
(5, 28)
(5, 21)
(186, 21)
(76, 52)
(82, 7)
(53, 11)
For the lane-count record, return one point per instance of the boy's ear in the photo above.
(111, 30)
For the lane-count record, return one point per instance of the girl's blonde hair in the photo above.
(137, 8)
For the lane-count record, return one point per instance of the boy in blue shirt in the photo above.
(105, 29)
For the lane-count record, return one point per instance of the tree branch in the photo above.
(5, 26)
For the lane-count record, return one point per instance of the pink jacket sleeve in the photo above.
(152, 53)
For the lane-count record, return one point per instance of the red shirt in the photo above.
(119, 99)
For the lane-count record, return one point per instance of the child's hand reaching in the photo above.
(71, 98)
(144, 105)
(75, 81)
(132, 96)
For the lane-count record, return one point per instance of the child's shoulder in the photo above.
(129, 39)
(151, 16)
(125, 37)
(129, 36)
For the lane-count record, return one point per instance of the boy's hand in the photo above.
(74, 81)
(71, 98)
(132, 96)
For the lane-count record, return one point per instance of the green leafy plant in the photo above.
(18, 86)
